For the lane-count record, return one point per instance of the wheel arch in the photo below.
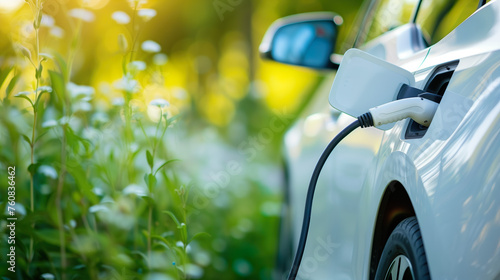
(394, 207)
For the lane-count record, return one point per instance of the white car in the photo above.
(406, 201)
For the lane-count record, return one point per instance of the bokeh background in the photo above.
(147, 152)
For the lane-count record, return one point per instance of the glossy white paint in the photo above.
(452, 174)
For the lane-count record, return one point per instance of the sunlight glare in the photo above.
(7, 6)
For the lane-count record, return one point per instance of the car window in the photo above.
(437, 18)
(387, 15)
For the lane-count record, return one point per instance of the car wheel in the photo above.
(404, 254)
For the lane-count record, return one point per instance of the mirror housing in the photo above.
(306, 40)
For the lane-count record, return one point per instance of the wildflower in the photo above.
(24, 93)
(118, 101)
(135, 189)
(44, 88)
(48, 276)
(57, 32)
(160, 59)
(120, 17)
(137, 65)
(78, 91)
(82, 107)
(136, 4)
(98, 208)
(127, 84)
(49, 124)
(180, 93)
(150, 46)
(159, 102)
(48, 171)
(146, 14)
(82, 14)
(64, 120)
(47, 21)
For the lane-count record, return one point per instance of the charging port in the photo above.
(436, 86)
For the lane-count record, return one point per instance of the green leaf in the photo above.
(150, 159)
(25, 97)
(164, 164)
(173, 217)
(150, 180)
(32, 168)
(172, 119)
(183, 230)
(162, 239)
(26, 138)
(50, 236)
(4, 74)
(11, 85)
(40, 136)
(149, 200)
(58, 85)
(140, 254)
(39, 70)
(39, 97)
(198, 235)
(63, 67)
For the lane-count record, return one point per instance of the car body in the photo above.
(446, 175)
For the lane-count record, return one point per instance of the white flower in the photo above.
(24, 93)
(48, 171)
(82, 14)
(44, 88)
(49, 123)
(135, 189)
(47, 21)
(98, 207)
(160, 59)
(64, 120)
(194, 271)
(118, 101)
(72, 223)
(57, 32)
(82, 107)
(180, 93)
(150, 46)
(137, 65)
(100, 117)
(127, 84)
(98, 191)
(146, 14)
(136, 3)
(121, 17)
(78, 91)
(48, 276)
(159, 102)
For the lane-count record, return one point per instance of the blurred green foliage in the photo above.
(140, 135)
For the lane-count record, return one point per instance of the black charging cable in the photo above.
(420, 109)
(310, 195)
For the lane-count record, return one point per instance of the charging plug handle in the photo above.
(421, 110)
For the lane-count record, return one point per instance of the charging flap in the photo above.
(364, 81)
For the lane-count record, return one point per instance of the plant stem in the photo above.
(150, 221)
(60, 219)
(33, 135)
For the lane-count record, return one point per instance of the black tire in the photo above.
(404, 254)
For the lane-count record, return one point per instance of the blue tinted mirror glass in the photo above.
(305, 43)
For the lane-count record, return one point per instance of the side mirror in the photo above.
(305, 40)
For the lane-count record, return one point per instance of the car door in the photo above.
(338, 247)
